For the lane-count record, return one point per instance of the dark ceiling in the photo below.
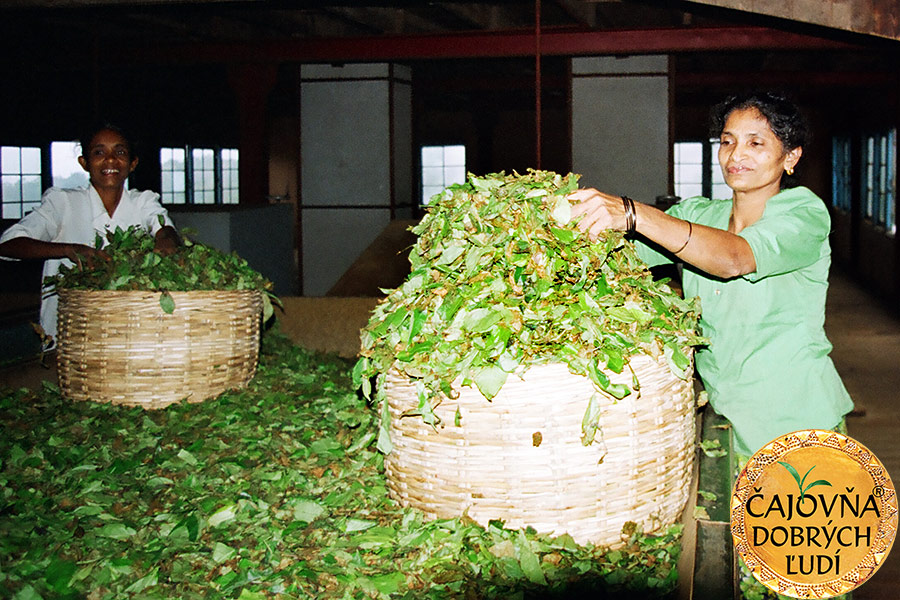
(252, 20)
(87, 35)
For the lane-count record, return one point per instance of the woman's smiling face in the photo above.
(107, 159)
(751, 155)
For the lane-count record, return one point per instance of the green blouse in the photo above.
(766, 368)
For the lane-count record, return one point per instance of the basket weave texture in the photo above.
(120, 347)
(519, 458)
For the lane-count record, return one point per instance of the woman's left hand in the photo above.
(166, 241)
(598, 211)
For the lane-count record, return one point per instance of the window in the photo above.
(20, 169)
(841, 191)
(697, 171)
(172, 189)
(229, 176)
(879, 179)
(441, 166)
(199, 175)
(203, 175)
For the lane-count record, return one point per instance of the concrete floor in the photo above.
(866, 339)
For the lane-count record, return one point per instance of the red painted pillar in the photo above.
(252, 84)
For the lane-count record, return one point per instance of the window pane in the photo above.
(432, 156)
(689, 152)
(456, 156)
(433, 176)
(454, 174)
(31, 161)
(685, 174)
(9, 160)
(31, 188)
(12, 189)
(12, 211)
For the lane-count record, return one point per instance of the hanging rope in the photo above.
(537, 83)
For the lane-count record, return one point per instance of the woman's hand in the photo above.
(166, 241)
(598, 211)
(86, 257)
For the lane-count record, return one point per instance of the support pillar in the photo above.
(252, 84)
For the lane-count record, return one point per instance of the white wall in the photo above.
(620, 124)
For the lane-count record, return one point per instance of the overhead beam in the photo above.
(486, 45)
(872, 17)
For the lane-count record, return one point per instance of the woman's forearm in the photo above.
(26, 247)
(714, 251)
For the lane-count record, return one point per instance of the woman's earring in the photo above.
(789, 170)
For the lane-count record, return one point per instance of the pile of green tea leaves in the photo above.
(503, 279)
(134, 265)
(274, 491)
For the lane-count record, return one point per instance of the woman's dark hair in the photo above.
(97, 127)
(784, 117)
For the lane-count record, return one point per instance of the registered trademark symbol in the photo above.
(877, 491)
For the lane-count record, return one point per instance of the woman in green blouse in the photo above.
(759, 263)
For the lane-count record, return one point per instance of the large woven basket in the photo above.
(120, 347)
(519, 458)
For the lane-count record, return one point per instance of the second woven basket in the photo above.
(519, 457)
(120, 347)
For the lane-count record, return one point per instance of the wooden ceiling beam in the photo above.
(872, 17)
(487, 45)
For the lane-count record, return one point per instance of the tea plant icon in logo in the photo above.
(800, 481)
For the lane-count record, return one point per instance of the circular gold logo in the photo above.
(813, 514)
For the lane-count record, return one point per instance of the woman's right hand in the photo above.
(85, 256)
(598, 211)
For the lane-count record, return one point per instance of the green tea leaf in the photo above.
(116, 531)
(167, 303)
(489, 380)
(226, 513)
(59, 573)
(221, 552)
(528, 560)
(308, 510)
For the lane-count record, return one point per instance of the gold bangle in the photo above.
(630, 215)
(684, 245)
